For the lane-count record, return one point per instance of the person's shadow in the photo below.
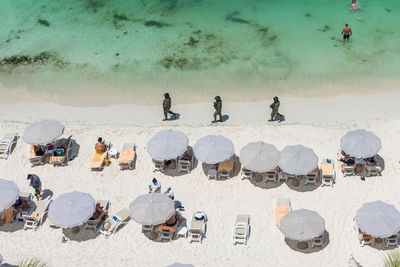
(176, 117)
(225, 117)
(47, 194)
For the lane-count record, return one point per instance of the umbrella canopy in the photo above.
(302, 225)
(259, 157)
(43, 132)
(212, 149)
(167, 145)
(298, 160)
(361, 144)
(378, 219)
(9, 193)
(152, 209)
(71, 209)
(177, 264)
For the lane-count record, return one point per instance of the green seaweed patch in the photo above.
(95, 4)
(12, 62)
(157, 24)
(232, 18)
(210, 36)
(197, 32)
(43, 22)
(307, 14)
(263, 30)
(180, 62)
(120, 17)
(325, 28)
(388, 10)
(192, 42)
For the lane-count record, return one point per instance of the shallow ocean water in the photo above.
(132, 51)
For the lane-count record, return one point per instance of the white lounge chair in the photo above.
(127, 157)
(111, 225)
(247, 174)
(62, 160)
(7, 143)
(328, 174)
(241, 229)
(212, 174)
(166, 235)
(318, 241)
(310, 178)
(34, 220)
(348, 170)
(271, 176)
(184, 165)
(392, 241)
(158, 165)
(92, 224)
(147, 228)
(35, 160)
(197, 229)
(282, 176)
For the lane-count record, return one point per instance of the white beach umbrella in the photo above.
(302, 225)
(43, 132)
(168, 144)
(9, 193)
(360, 144)
(71, 209)
(298, 160)
(378, 219)
(152, 209)
(259, 157)
(213, 149)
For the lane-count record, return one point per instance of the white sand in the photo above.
(318, 123)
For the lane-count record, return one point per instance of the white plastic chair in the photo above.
(212, 174)
(318, 241)
(116, 221)
(158, 165)
(92, 224)
(184, 165)
(247, 174)
(32, 222)
(348, 170)
(392, 241)
(197, 229)
(241, 229)
(7, 143)
(166, 235)
(147, 228)
(271, 176)
(310, 178)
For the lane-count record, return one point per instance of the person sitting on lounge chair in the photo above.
(100, 146)
(348, 160)
(171, 224)
(155, 186)
(169, 193)
(39, 150)
(99, 214)
(20, 204)
(187, 155)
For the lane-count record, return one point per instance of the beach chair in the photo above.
(281, 175)
(184, 165)
(197, 229)
(147, 228)
(158, 165)
(365, 239)
(348, 170)
(62, 160)
(247, 174)
(7, 143)
(92, 224)
(212, 174)
(35, 160)
(310, 178)
(97, 162)
(241, 229)
(111, 225)
(35, 219)
(318, 241)
(283, 207)
(392, 241)
(225, 168)
(328, 174)
(127, 157)
(373, 170)
(166, 235)
(271, 176)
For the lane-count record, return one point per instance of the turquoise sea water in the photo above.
(133, 51)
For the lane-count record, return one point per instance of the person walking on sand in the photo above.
(218, 109)
(346, 33)
(36, 184)
(275, 108)
(167, 107)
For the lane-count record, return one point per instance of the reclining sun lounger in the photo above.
(283, 207)
(92, 224)
(157, 165)
(35, 160)
(62, 160)
(97, 162)
(35, 219)
(247, 174)
(241, 229)
(111, 225)
(7, 144)
(225, 168)
(126, 159)
(197, 229)
(328, 173)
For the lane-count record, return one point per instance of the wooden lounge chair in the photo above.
(35, 219)
(225, 168)
(67, 144)
(36, 160)
(185, 163)
(283, 207)
(91, 223)
(127, 157)
(7, 144)
(97, 162)
(328, 174)
(241, 229)
(111, 225)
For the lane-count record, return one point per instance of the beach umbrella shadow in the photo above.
(296, 245)
(300, 185)
(235, 172)
(47, 194)
(82, 235)
(259, 181)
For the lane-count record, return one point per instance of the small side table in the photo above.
(113, 153)
(182, 231)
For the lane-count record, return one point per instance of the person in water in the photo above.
(354, 5)
(346, 33)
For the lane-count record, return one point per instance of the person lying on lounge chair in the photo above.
(100, 146)
(171, 224)
(348, 160)
(370, 162)
(61, 147)
(39, 150)
(99, 214)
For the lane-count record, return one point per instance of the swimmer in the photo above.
(354, 5)
(346, 33)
